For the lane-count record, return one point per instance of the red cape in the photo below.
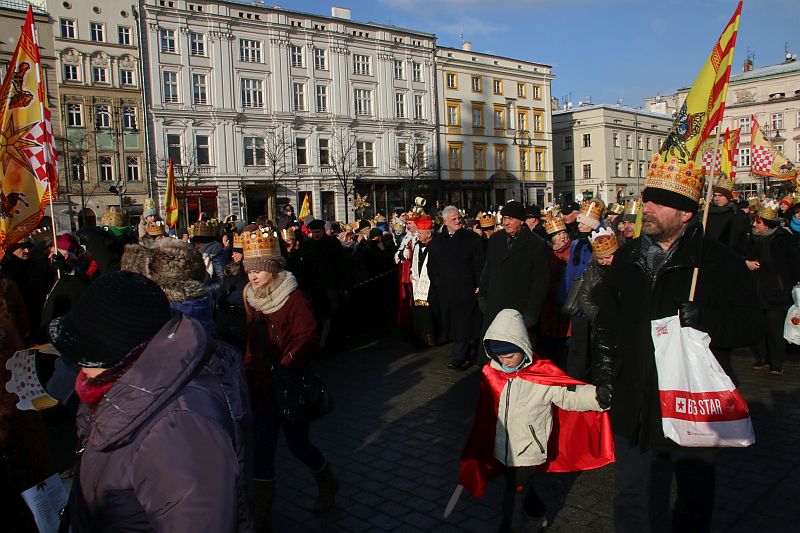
(579, 441)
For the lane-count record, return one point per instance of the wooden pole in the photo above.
(707, 207)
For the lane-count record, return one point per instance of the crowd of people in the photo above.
(169, 343)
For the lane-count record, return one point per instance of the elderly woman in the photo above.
(281, 331)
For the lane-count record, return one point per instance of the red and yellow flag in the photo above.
(766, 160)
(730, 154)
(305, 209)
(170, 201)
(27, 153)
(704, 105)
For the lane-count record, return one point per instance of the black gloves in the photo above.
(604, 394)
(689, 315)
(59, 262)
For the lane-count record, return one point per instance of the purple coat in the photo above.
(165, 446)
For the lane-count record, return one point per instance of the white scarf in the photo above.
(271, 297)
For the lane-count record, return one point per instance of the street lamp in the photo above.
(120, 189)
(773, 134)
(522, 138)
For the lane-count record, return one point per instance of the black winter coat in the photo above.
(455, 264)
(729, 226)
(630, 298)
(779, 256)
(515, 278)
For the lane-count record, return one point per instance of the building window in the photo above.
(649, 143)
(630, 169)
(587, 140)
(416, 71)
(77, 168)
(74, 116)
(249, 51)
(587, 171)
(254, 154)
(126, 77)
(400, 105)
(537, 92)
(365, 154)
(615, 139)
(71, 73)
(129, 118)
(638, 142)
(497, 86)
(499, 157)
(324, 152)
(479, 157)
(522, 91)
(197, 44)
(745, 124)
(170, 86)
(68, 28)
(641, 170)
(299, 96)
(363, 101)
(97, 32)
(617, 168)
(322, 98)
(296, 56)
(102, 117)
(477, 117)
(452, 80)
(302, 153)
(538, 122)
(105, 168)
(200, 88)
(174, 150)
(252, 93)
(132, 168)
(399, 69)
(568, 142)
(402, 155)
(627, 141)
(569, 175)
(418, 109)
(320, 59)
(476, 84)
(362, 64)
(453, 114)
(454, 156)
(776, 121)
(124, 35)
(100, 74)
(499, 118)
(538, 162)
(168, 41)
(202, 147)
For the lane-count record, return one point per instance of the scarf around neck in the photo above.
(270, 298)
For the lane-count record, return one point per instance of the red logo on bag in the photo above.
(680, 405)
(796, 320)
(661, 330)
(717, 406)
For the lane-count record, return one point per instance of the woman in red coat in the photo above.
(281, 330)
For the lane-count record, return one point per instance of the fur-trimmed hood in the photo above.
(177, 267)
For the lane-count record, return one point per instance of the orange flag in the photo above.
(766, 160)
(170, 202)
(27, 155)
(305, 209)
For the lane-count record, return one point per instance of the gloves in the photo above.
(604, 394)
(689, 315)
(59, 262)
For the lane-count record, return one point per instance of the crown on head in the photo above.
(487, 220)
(604, 242)
(724, 182)
(680, 177)
(237, 241)
(554, 225)
(148, 203)
(115, 217)
(41, 235)
(205, 228)
(262, 242)
(616, 208)
(155, 228)
(592, 209)
(769, 210)
(632, 206)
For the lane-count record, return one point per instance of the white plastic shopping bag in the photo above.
(791, 327)
(700, 406)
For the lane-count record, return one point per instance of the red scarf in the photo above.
(89, 390)
(579, 440)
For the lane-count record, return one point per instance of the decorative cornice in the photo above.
(383, 56)
(340, 50)
(283, 43)
(153, 26)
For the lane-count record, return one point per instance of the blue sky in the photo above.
(602, 49)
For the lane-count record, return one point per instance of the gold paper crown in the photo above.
(41, 235)
(237, 241)
(616, 208)
(684, 178)
(554, 225)
(592, 209)
(205, 228)
(604, 242)
(115, 218)
(148, 204)
(632, 206)
(487, 220)
(724, 182)
(262, 242)
(155, 228)
(769, 210)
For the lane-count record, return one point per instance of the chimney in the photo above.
(340, 12)
(748, 65)
(466, 46)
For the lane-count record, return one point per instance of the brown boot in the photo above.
(263, 493)
(328, 486)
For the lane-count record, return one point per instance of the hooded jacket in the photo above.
(164, 448)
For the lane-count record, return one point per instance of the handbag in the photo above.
(570, 306)
(300, 393)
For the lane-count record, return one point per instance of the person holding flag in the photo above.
(650, 279)
(170, 202)
(726, 222)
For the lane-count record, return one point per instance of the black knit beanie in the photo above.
(117, 313)
(669, 199)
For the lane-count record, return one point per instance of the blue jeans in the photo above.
(266, 428)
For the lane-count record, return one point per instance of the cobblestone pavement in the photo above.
(401, 420)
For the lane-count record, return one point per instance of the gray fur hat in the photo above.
(176, 266)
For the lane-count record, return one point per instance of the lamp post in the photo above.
(773, 134)
(522, 138)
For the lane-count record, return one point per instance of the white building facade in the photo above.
(231, 83)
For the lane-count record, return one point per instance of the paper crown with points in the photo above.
(554, 225)
(769, 210)
(675, 175)
(237, 242)
(604, 242)
(114, 217)
(487, 220)
(592, 213)
(205, 228)
(632, 206)
(155, 228)
(25, 382)
(41, 235)
(616, 208)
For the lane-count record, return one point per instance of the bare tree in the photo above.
(188, 173)
(344, 165)
(278, 165)
(413, 163)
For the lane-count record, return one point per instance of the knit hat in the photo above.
(148, 207)
(497, 348)
(591, 213)
(66, 242)
(569, 207)
(262, 251)
(514, 209)
(533, 211)
(315, 224)
(119, 312)
(174, 265)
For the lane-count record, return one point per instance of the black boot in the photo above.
(328, 486)
(263, 494)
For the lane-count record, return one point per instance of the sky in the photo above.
(601, 50)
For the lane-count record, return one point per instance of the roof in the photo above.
(768, 71)
(614, 107)
(493, 56)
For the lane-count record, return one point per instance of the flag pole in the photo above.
(706, 208)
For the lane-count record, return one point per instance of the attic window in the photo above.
(777, 96)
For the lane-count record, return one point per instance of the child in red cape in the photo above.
(518, 430)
